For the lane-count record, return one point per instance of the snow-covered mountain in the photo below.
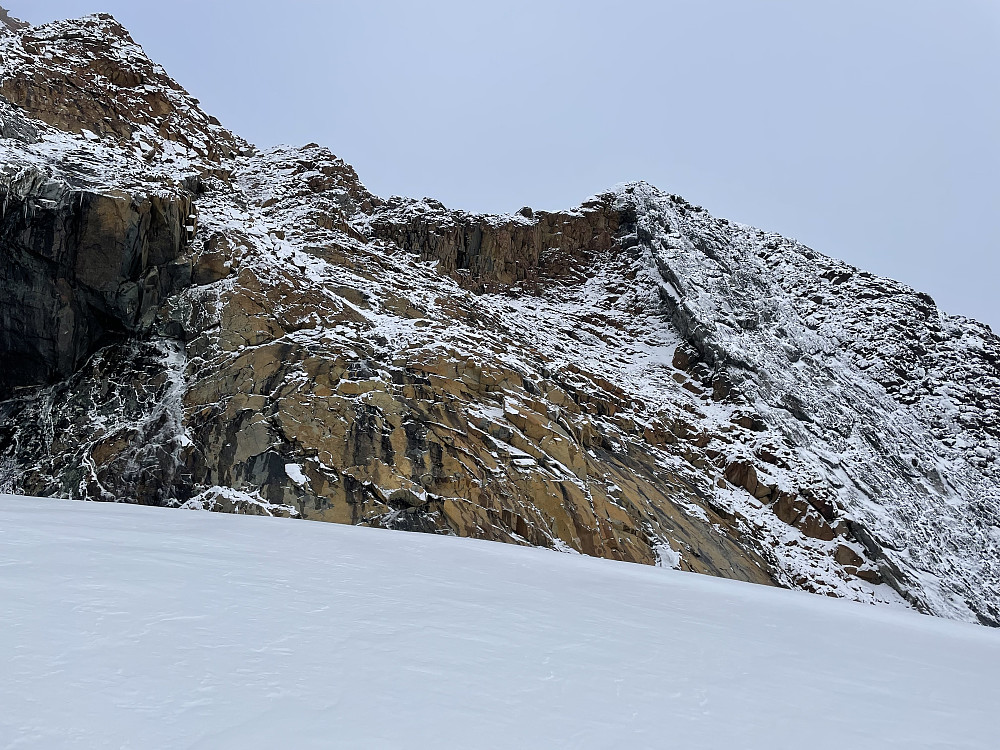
(186, 320)
(126, 626)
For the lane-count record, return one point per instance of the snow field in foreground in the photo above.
(134, 627)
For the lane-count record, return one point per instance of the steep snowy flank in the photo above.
(139, 627)
(188, 322)
(865, 382)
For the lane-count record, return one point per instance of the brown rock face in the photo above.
(484, 253)
(97, 79)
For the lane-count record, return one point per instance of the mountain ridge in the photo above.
(201, 323)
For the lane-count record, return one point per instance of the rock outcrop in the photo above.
(79, 267)
(493, 253)
(95, 80)
(186, 321)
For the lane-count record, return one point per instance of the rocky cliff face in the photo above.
(187, 321)
(80, 267)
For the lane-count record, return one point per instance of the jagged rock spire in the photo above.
(7, 21)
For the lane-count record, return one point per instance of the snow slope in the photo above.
(136, 627)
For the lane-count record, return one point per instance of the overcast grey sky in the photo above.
(867, 129)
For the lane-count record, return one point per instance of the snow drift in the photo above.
(127, 626)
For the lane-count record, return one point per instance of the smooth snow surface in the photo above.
(134, 627)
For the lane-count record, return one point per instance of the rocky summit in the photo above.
(189, 321)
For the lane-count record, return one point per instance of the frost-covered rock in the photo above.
(189, 322)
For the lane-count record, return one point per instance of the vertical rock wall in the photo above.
(78, 266)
